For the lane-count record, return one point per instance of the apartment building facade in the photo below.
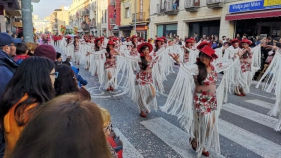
(135, 16)
(211, 17)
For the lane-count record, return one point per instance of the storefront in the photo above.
(256, 18)
(125, 30)
(207, 28)
(169, 29)
(142, 31)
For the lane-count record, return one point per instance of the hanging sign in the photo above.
(271, 2)
(251, 6)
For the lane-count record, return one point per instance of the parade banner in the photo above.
(252, 6)
(272, 2)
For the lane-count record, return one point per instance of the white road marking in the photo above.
(174, 137)
(260, 103)
(260, 95)
(251, 115)
(255, 143)
(129, 151)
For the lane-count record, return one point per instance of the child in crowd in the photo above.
(21, 53)
(68, 60)
(114, 141)
(80, 80)
(58, 59)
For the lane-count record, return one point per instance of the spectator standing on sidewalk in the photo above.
(7, 69)
(31, 86)
(21, 52)
(7, 64)
(46, 51)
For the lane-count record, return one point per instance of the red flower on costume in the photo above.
(204, 93)
(204, 100)
(195, 98)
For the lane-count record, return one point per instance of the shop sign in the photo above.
(272, 2)
(251, 6)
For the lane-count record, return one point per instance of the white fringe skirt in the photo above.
(113, 81)
(143, 97)
(206, 132)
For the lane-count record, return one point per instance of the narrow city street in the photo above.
(129, 54)
(244, 126)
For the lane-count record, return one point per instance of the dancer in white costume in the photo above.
(199, 114)
(89, 50)
(110, 66)
(158, 44)
(189, 51)
(77, 54)
(96, 58)
(273, 84)
(69, 48)
(250, 64)
(142, 86)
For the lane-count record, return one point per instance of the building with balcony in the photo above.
(135, 15)
(114, 11)
(80, 15)
(60, 17)
(10, 16)
(213, 17)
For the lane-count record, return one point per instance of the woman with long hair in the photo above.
(110, 66)
(158, 44)
(248, 70)
(134, 45)
(199, 115)
(65, 127)
(96, 58)
(97, 44)
(31, 86)
(66, 81)
(145, 88)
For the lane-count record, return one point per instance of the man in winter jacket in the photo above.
(7, 69)
(7, 64)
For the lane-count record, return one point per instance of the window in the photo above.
(105, 21)
(102, 17)
(127, 12)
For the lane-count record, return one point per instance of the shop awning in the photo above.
(254, 15)
(17, 24)
(13, 12)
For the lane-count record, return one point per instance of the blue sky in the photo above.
(46, 7)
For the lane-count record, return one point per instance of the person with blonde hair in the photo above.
(115, 143)
(31, 47)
